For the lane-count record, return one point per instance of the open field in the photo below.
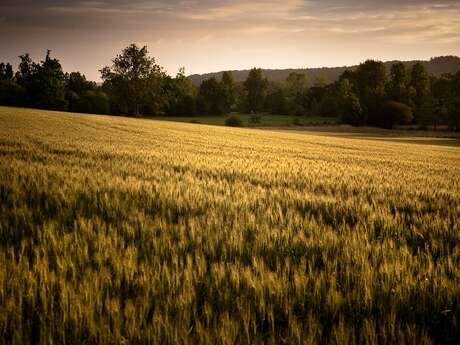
(117, 230)
(430, 137)
(266, 120)
(330, 126)
(348, 130)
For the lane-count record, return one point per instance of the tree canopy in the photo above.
(135, 85)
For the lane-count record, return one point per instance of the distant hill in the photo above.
(436, 66)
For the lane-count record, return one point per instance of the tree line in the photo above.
(135, 85)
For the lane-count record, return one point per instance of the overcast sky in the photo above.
(213, 35)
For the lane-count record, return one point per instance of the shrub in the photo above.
(234, 121)
(297, 122)
(91, 102)
(12, 94)
(99, 102)
(255, 120)
(395, 113)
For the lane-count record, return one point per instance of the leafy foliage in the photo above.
(255, 88)
(349, 104)
(234, 121)
(396, 113)
(135, 85)
(129, 79)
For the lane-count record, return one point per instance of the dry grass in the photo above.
(116, 230)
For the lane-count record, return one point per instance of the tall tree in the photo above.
(128, 78)
(85, 96)
(6, 71)
(255, 87)
(420, 84)
(228, 87)
(349, 105)
(454, 103)
(212, 97)
(296, 83)
(77, 82)
(277, 101)
(181, 96)
(48, 84)
(398, 84)
(441, 92)
(371, 79)
(296, 92)
(320, 80)
(11, 93)
(44, 82)
(315, 96)
(25, 68)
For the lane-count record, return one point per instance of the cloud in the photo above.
(239, 9)
(210, 34)
(360, 14)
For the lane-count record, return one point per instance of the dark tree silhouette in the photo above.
(212, 97)
(371, 78)
(420, 85)
(255, 88)
(398, 85)
(128, 78)
(135, 85)
(228, 88)
(395, 113)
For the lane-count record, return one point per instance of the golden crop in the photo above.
(117, 230)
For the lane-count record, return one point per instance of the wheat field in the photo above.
(130, 231)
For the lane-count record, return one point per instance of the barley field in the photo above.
(129, 231)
